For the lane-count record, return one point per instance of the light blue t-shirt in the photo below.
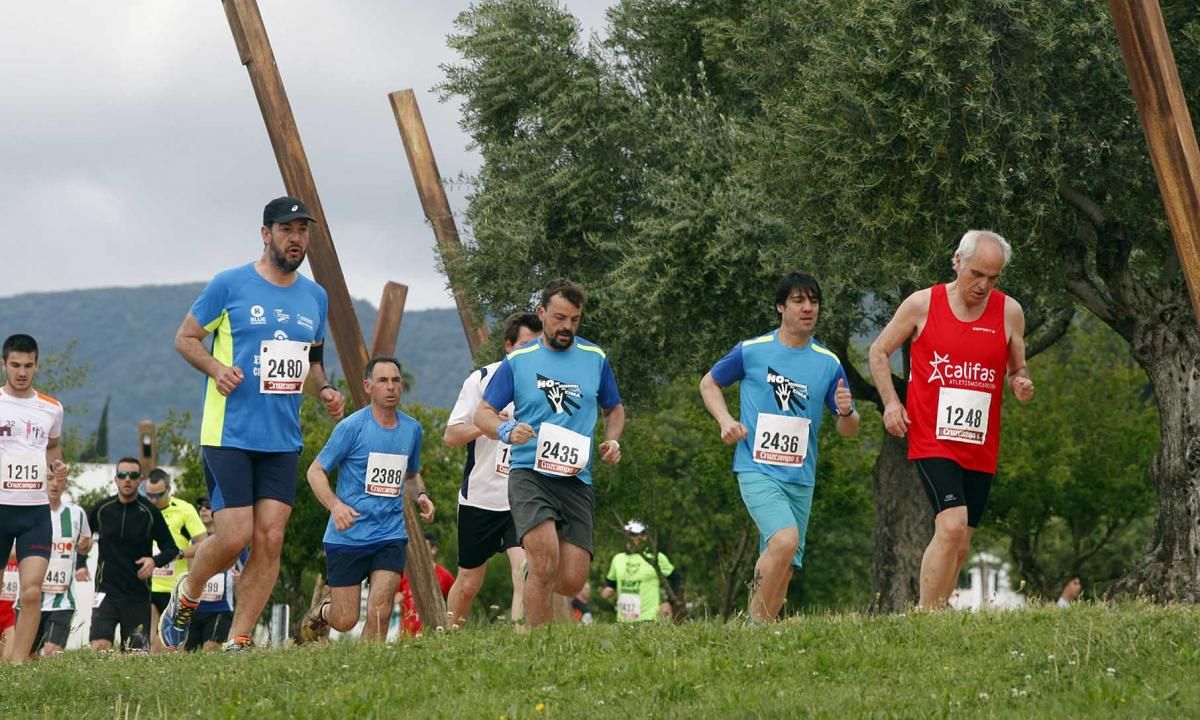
(562, 387)
(376, 495)
(780, 380)
(242, 309)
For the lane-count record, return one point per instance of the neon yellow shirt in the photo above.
(180, 517)
(639, 592)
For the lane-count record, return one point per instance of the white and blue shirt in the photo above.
(371, 461)
(780, 380)
(566, 388)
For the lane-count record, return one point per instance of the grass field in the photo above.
(1134, 661)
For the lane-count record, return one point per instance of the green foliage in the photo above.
(1127, 660)
(1073, 492)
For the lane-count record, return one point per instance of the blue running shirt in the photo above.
(242, 309)
(559, 388)
(784, 381)
(358, 444)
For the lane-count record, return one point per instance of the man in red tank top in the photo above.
(966, 338)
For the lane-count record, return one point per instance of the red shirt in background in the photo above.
(410, 622)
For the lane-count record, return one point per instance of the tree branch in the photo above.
(1083, 204)
(1049, 330)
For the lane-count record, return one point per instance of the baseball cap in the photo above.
(635, 527)
(285, 209)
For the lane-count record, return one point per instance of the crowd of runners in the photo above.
(167, 572)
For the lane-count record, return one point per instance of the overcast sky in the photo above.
(133, 151)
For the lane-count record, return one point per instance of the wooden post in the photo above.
(437, 208)
(1167, 125)
(387, 322)
(147, 446)
(254, 49)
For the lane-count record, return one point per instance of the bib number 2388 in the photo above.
(385, 474)
(282, 367)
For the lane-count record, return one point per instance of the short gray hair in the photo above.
(970, 239)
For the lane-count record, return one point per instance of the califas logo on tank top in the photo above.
(943, 369)
(789, 394)
(561, 396)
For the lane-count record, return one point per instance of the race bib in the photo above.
(780, 440)
(166, 571)
(23, 472)
(561, 451)
(962, 415)
(629, 606)
(12, 586)
(58, 575)
(503, 458)
(282, 367)
(214, 589)
(385, 474)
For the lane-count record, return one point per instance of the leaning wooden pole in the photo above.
(254, 49)
(387, 322)
(1167, 125)
(437, 208)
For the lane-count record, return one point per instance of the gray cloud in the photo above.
(134, 151)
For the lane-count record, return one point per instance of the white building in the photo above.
(988, 586)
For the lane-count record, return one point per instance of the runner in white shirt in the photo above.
(485, 525)
(71, 540)
(30, 427)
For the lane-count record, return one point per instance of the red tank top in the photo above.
(956, 384)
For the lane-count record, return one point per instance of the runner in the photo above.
(377, 452)
(965, 335)
(785, 376)
(209, 629)
(485, 525)
(556, 384)
(637, 580)
(30, 428)
(187, 529)
(127, 526)
(270, 324)
(72, 538)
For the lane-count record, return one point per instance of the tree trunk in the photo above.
(903, 527)
(1168, 348)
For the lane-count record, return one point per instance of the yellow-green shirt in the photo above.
(185, 524)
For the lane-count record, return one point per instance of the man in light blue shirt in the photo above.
(377, 452)
(785, 378)
(558, 385)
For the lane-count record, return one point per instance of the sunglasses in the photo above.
(155, 495)
(129, 474)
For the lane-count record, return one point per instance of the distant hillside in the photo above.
(126, 337)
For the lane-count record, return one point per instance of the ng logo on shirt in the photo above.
(789, 394)
(561, 396)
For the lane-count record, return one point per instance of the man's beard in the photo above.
(281, 261)
(554, 341)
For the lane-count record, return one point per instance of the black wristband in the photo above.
(329, 386)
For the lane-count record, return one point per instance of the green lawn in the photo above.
(1133, 661)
